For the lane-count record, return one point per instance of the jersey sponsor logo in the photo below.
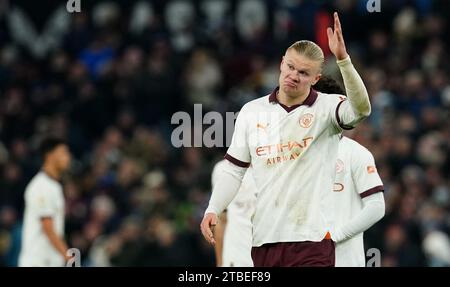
(306, 120)
(339, 166)
(371, 169)
(282, 152)
(338, 187)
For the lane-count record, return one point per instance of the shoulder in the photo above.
(354, 145)
(41, 184)
(329, 99)
(358, 152)
(256, 105)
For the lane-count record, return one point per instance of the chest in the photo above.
(275, 132)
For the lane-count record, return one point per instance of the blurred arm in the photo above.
(55, 240)
(373, 210)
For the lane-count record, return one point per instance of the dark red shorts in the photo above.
(295, 254)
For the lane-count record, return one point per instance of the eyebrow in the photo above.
(301, 70)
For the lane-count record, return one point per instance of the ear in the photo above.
(316, 79)
(282, 61)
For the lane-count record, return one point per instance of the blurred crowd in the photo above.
(108, 80)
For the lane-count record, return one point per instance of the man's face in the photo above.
(61, 157)
(297, 74)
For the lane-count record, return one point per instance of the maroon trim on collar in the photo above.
(273, 95)
(309, 101)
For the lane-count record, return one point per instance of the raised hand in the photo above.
(336, 40)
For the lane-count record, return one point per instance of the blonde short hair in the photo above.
(310, 50)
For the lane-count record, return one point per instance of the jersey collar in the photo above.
(309, 101)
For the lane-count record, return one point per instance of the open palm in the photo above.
(336, 40)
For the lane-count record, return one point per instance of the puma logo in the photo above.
(261, 126)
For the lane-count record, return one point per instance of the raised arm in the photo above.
(358, 105)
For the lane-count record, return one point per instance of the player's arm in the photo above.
(55, 240)
(219, 233)
(219, 230)
(370, 188)
(223, 193)
(230, 178)
(357, 107)
(372, 211)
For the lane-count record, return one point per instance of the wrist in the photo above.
(211, 210)
(344, 60)
(342, 57)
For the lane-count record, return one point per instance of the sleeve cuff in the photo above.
(235, 161)
(344, 62)
(371, 191)
(338, 119)
(211, 210)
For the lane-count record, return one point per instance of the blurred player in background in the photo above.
(358, 195)
(293, 155)
(43, 243)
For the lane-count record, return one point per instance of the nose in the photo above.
(294, 76)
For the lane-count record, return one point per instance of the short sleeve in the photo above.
(43, 202)
(239, 153)
(339, 112)
(365, 175)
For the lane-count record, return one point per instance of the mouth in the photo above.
(290, 84)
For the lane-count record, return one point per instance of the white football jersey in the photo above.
(43, 198)
(356, 178)
(292, 151)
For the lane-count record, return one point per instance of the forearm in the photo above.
(355, 89)
(226, 188)
(57, 242)
(372, 212)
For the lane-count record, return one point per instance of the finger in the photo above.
(211, 237)
(339, 36)
(205, 230)
(212, 229)
(214, 220)
(207, 234)
(329, 33)
(337, 23)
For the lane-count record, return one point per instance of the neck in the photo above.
(51, 171)
(286, 100)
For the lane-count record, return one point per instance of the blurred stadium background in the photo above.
(109, 78)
